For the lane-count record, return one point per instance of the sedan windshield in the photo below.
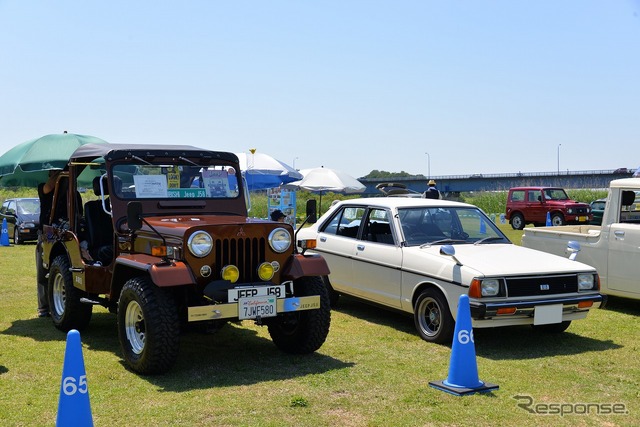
(446, 225)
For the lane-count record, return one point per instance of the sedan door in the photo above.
(377, 260)
(336, 241)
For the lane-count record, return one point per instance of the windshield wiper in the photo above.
(184, 159)
(488, 239)
(437, 242)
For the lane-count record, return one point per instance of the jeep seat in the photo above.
(99, 226)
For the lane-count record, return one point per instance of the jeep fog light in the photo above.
(279, 240)
(230, 273)
(200, 244)
(585, 282)
(490, 287)
(265, 271)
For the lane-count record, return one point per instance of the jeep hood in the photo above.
(178, 225)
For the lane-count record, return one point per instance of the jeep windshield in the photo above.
(139, 179)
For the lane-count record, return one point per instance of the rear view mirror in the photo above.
(134, 215)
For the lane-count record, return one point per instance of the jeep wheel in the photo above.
(148, 327)
(557, 220)
(432, 317)
(67, 312)
(517, 221)
(302, 332)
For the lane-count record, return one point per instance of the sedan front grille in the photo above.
(245, 253)
(536, 286)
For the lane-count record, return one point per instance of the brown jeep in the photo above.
(168, 243)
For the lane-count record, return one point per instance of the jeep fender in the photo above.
(162, 273)
(305, 265)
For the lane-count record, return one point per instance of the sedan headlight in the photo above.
(200, 244)
(586, 282)
(490, 287)
(27, 225)
(280, 240)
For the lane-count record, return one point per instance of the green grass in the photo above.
(372, 371)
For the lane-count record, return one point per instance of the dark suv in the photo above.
(168, 243)
(530, 205)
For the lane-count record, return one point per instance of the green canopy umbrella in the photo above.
(27, 164)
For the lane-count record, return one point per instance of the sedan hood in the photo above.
(509, 260)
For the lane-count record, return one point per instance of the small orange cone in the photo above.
(463, 369)
(73, 407)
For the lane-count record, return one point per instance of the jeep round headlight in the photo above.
(200, 244)
(490, 287)
(585, 282)
(279, 240)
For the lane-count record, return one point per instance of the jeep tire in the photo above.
(517, 221)
(67, 312)
(302, 332)
(148, 327)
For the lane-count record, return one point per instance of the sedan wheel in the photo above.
(432, 317)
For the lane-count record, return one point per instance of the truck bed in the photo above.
(554, 239)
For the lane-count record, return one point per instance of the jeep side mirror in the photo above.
(312, 213)
(134, 215)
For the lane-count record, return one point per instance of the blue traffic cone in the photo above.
(73, 406)
(463, 369)
(483, 226)
(4, 239)
(548, 223)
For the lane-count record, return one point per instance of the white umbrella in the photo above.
(320, 180)
(263, 171)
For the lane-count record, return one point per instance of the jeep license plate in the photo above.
(254, 307)
(582, 218)
(247, 292)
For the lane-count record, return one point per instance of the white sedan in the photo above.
(420, 255)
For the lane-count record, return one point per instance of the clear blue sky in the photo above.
(482, 86)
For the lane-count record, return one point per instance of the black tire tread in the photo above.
(76, 315)
(311, 326)
(161, 322)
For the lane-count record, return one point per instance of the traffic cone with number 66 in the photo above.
(463, 369)
(73, 407)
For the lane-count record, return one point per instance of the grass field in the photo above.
(373, 370)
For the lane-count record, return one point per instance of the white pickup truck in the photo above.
(612, 248)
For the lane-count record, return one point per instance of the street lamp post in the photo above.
(559, 158)
(428, 166)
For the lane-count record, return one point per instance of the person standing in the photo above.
(432, 192)
(45, 194)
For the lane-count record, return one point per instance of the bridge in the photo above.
(453, 184)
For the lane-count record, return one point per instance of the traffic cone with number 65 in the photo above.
(463, 369)
(73, 407)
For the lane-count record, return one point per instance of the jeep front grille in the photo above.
(244, 253)
(547, 285)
